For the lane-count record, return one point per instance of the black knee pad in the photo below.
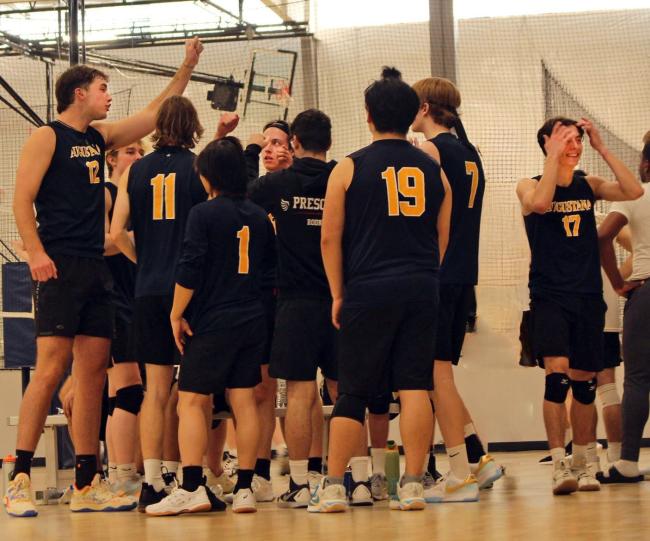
(584, 391)
(111, 404)
(130, 398)
(380, 404)
(557, 387)
(351, 407)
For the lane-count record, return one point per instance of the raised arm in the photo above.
(33, 163)
(626, 187)
(537, 196)
(121, 214)
(125, 131)
(331, 242)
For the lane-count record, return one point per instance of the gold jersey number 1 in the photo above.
(164, 196)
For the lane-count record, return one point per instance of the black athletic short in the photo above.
(569, 326)
(154, 340)
(384, 348)
(123, 344)
(611, 349)
(456, 303)
(304, 340)
(269, 302)
(223, 359)
(77, 302)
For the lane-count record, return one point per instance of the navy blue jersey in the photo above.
(563, 243)
(163, 187)
(122, 269)
(228, 242)
(70, 201)
(462, 165)
(390, 238)
(295, 198)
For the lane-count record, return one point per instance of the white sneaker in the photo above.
(223, 481)
(181, 501)
(587, 481)
(18, 498)
(450, 489)
(296, 497)
(331, 499)
(128, 487)
(486, 471)
(98, 497)
(378, 487)
(564, 481)
(314, 479)
(243, 501)
(410, 497)
(263, 489)
(361, 494)
(67, 495)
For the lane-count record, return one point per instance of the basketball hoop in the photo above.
(281, 93)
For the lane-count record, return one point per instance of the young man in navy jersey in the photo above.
(565, 284)
(228, 242)
(156, 195)
(61, 173)
(304, 338)
(438, 114)
(385, 229)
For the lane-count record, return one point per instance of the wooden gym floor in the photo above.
(519, 507)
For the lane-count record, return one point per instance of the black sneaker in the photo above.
(615, 476)
(149, 496)
(296, 497)
(216, 503)
(169, 478)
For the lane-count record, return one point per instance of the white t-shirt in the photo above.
(638, 217)
(613, 321)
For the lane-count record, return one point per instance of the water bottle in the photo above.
(392, 468)
(8, 465)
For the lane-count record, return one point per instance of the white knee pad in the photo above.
(608, 395)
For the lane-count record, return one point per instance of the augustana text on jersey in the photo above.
(86, 151)
(576, 205)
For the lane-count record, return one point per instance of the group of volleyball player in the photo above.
(363, 269)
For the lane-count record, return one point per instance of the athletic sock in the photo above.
(315, 463)
(591, 452)
(558, 454)
(458, 463)
(431, 465)
(263, 468)
(84, 471)
(171, 465)
(126, 471)
(153, 473)
(378, 461)
(23, 462)
(192, 477)
(579, 456)
(474, 446)
(359, 467)
(613, 451)
(112, 472)
(298, 470)
(628, 468)
(244, 480)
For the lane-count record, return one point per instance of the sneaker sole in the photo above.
(487, 483)
(589, 488)
(471, 499)
(412, 505)
(567, 487)
(292, 505)
(118, 509)
(362, 503)
(248, 509)
(332, 507)
(26, 514)
(201, 508)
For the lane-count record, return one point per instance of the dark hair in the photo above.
(80, 76)
(177, 124)
(547, 129)
(646, 146)
(223, 165)
(391, 103)
(280, 125)
(313, 129)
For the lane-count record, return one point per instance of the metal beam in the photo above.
(442, 39)
(110, 4)
(73, 15)
(279, 9)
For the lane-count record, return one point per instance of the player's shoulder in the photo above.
(360, 153)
